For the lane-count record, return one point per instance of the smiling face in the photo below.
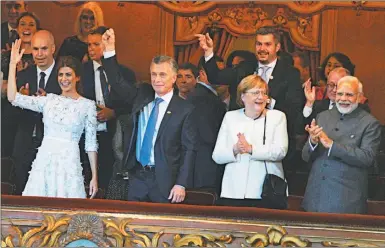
(43, 48)
(266, 48)
(87, 21)
(348, 96)
(67, 79)
(27, 28)
(255, 99)
(162, 78)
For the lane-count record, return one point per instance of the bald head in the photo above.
(333, 78)
(43, 49)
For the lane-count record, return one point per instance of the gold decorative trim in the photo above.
(107, 232)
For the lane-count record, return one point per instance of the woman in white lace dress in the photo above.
(56, 171)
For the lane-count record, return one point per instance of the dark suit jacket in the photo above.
(175, 145)
(88, 83)
(208, 115)
(4, 34)
(26, 118)
(284, 86)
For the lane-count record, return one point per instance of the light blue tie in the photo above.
(264, 73)
(145, 151)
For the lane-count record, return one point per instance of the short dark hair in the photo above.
(270, 30)
(32, 15)
(340, 57)
(249, 57)
(74, 64)
(305, 62)
(189, 66)
(159, 59)
(99, 30)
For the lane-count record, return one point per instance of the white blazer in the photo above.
(245, 173)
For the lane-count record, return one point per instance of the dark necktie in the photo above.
(42, 81)
(12, 36)
(104, 84)
(145, 151)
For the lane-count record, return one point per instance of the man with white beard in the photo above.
(342, 146)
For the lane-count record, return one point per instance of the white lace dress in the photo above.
(56, 171)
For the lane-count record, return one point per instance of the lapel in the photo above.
(51, 80)
(33, 82)
(89, 81)
(276, 77)
(171, 109)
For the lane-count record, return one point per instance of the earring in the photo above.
(268, 101)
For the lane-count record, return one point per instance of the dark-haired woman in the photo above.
(56, 171)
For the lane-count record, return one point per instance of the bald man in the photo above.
(42, 75)
(342, 147)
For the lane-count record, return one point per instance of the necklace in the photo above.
(244, 111)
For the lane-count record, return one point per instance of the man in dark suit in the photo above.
(35, 79)
(208, 115)
(160, 146)
(283, 79)
(95, 87)
(342, 148)
(8, 29)
(313, 107)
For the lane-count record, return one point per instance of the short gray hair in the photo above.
(159, 59)
(352, 80)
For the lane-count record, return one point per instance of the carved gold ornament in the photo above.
(110, 232)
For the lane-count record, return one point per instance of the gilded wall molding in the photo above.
(300, 7)
(105, 231)
(244, 21)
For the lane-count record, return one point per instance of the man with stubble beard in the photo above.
(283, 79)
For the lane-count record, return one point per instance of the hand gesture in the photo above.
(105, 114)
(24, 90)
(20, 66)
(309, 93)
(108, 40)
(314, 131)
(16, 54)
(93, 188)
(244, 146)
(206, 43)
(325, 140)
(41, 92)
(177, 194)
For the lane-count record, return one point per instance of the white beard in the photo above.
(348, 110)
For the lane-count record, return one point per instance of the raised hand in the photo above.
(206, 43)
(16, 54)
(314, 132)
(108, 40)
(309, 93)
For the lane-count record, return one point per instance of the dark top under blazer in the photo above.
(175, 145)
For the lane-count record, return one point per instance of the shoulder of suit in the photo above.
(27, 71)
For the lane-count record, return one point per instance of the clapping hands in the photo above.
(242, 146)
(317, 134)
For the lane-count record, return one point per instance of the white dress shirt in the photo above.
(47, 74)
(102, 126)
(308, 110)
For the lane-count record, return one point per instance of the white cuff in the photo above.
(209, 57)
(307, 111)
(330, 148)
(109, 54)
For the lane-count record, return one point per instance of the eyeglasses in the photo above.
(257, 93)
(13, 5)
(331, 86)
(341, 94)
(86, 17)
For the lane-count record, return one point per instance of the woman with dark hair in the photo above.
(27, 25)
(239, 56)
(56, 171)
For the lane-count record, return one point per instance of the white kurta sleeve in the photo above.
(277, 149)
(223, 151)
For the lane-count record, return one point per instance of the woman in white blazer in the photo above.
(241, 148)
